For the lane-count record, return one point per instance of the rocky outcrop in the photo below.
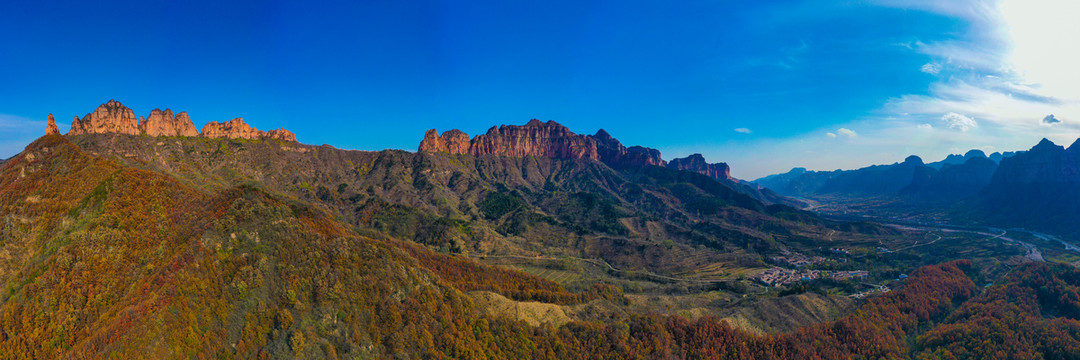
(163, 123)
(281, 134)
(542, 139)
(613, 153)
(110, 117)
(114, 117)
(232, 129)
(535, 138)
(454, 141)
(238, 129)
(696, 163)
(50, 128)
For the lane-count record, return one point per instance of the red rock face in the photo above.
(232, 129)
(238, 129)
(51, 128)
(536, 138)
(163, 123)
(453, 141)
(110, 117)
(696, 163)
(541, 139)
(113, 117)
(281, 134)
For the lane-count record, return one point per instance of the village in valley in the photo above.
(791, 266)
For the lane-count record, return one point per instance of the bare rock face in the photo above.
(232, 129)
(110, 117)
(541, 139)
(536, 138)
(696, 163)
(613, 153)
(51, 128)
(454, 141)
(163, 123)
(281, 134)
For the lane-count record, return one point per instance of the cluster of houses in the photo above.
(776, 276)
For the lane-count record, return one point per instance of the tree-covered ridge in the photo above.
(1033, 314)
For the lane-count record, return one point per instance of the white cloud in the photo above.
(743, 130)
(925, 127)
(830, 135)
(959, 122)
(848, 133)
(931, 68)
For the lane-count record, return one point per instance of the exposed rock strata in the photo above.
(542, 139)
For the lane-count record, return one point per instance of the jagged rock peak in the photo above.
(454, 141)
(602, 135)
(164, 123)
(50, 128)
(1045, 145)
(110, 117)
(541, 139)
(536, 138)
(281, 134)
(238, 129)
(232, 129)
(696, 163)
(613, 153)
(114, 117)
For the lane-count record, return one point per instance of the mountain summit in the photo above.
(113, 117)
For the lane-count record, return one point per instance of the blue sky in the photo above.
(762, 85)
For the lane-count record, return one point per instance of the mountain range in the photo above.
(141, 238)
(1036, 189)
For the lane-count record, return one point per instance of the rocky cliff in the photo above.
(114, 117)
(697, 163)
(164, 123)
(542, 139)
(536, 138)
(110, 117)
(612, 152)
(453, 141)
(233, 129)
(51, 128)
(281, 134)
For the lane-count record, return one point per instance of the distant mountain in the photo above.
(1038, 189)
(956, 159)
(954, 177)
(952, 181)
